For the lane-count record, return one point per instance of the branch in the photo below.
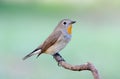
(88, 66)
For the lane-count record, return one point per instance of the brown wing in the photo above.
(50, 41)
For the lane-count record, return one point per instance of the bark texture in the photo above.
(88, 66)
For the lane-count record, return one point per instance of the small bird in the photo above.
(56, 41)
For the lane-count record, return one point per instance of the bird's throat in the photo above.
(69, 29)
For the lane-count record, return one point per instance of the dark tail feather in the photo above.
(33, 53)
(38, 55)
(27, 56)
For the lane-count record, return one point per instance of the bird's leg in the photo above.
(58, 58)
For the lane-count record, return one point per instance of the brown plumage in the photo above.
(57, 40)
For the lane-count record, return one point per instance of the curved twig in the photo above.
(88, 66)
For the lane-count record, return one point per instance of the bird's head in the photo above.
(66, 24)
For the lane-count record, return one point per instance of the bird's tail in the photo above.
(36, 51)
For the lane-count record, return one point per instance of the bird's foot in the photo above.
(58, 58)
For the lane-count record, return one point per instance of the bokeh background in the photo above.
(24, 24)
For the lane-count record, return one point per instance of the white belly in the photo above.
(58, 46)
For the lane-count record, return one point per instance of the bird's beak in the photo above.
(72, 22)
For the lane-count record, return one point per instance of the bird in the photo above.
(56, 41)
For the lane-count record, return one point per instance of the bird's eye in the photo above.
(64, 23)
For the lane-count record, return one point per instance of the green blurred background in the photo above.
(24, 24)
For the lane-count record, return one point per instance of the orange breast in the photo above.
(69, 29)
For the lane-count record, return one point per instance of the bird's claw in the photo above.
(58, 58)
(60, 61)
